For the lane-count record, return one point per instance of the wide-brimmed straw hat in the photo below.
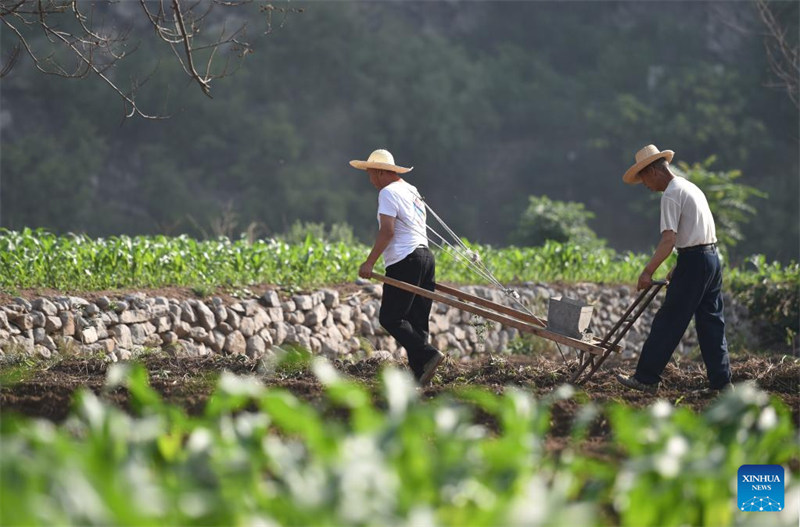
(644, 157)
(382, 160)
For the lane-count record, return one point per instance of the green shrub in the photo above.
(772, 297)
(559, 221)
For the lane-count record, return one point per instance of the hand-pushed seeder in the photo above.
(567, 318)
(592, 352)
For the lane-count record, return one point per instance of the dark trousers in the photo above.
(404, 314)
(694, 291)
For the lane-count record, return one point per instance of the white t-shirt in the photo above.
(684, 209)
(403, 202)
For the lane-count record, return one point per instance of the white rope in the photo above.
(470, 259)
(466, 256)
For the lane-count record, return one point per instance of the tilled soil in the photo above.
(47, 392)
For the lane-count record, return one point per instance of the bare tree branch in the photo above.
(783, 57)
(75, 43)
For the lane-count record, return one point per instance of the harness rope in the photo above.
(469, 258)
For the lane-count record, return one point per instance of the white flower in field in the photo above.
(400, 391)
(446, 419)
(421, 517)
(677, 446)
(324, 371)
(661, 409)
(233, 384)
(668, 463)
(200, 440)
(368, 486)
(768, 419)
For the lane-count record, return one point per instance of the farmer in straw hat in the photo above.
(695, 288)
(403, 242)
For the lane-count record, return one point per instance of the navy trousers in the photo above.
(695, 290)
(405, 315)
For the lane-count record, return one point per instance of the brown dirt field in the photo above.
(48, 392)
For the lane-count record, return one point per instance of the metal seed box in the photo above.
(568, 316)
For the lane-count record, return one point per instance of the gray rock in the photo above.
(181, 329)
(303, 302)
(103, 302)
(247, 327)
(120, 306)
(235, 344)
(289, 306)
(187, 312)
(175, 312)
(169, 338)
(220, 314)
(42, 351)
(281, 331)
(275, 314)
(316, 316)
(45, 306)
(134, 316)
(205, 316)
(163, 324)
(234, 319)
(260, 319)
(198, 334)
(225, 328)
(87, 335)
(250, 307)
(3, 320)
(237, 307)
(330, 297)
(140, 332)
(22, 321)
(295, 318)
(271, 299)
(24, 303)
(218, 341)
(342, 314)
(38, 318)
(255, 347)
(109, 318)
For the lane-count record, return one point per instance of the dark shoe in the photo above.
(430, 368)
(631, 382)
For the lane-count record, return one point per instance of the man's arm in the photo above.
(664, 249)
(385, 235)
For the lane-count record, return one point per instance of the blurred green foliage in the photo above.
(261, 456)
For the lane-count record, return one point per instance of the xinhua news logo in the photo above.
(760, 488)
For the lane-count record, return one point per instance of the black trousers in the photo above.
(405, 315)
(694, 291)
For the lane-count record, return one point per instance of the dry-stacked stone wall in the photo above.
(327, 321)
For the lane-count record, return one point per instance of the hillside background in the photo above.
(491, 102)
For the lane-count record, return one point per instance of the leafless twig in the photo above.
(78, 45)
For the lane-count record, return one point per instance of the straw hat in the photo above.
(644, 157)
(382, 160)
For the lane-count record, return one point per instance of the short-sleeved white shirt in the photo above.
(403, 202)
(684, 209)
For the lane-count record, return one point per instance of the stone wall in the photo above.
(326, 321)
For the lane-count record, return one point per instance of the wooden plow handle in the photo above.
(498, 313)
(647, 295)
